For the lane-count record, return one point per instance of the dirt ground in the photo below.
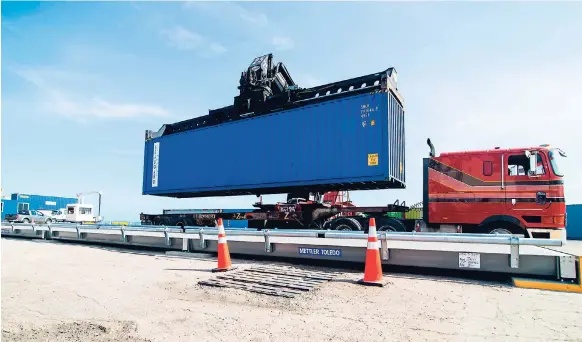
(62, 292)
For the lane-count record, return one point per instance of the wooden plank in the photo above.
(293, 273)
(266, 281)
(231, 283)
(305, 281)
(242, 287)
(277, 281)
(248, 287)
(285, 275)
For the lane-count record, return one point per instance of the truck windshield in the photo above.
(554, 156)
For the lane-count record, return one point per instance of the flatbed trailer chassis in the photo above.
(288, 216)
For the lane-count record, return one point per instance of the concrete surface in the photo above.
(62, 292)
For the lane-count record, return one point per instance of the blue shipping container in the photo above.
(8, 207)
(574, 221)
(352, 143)
(40, 202)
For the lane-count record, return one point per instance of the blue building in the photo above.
(19, 202)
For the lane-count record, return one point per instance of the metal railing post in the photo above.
(514, 253)
(268, 248)
(384, 244)
(201, 238)
(166, 236)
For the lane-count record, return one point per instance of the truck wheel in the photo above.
(499, 230)
(391, 225)
(346, 224)
(504, 228)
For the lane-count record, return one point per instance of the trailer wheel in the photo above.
(391, 225)
(346, 224)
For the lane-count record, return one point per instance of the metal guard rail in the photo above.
(501, 239)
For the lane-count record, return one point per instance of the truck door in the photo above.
(525, 192)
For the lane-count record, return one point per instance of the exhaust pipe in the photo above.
(431, 146)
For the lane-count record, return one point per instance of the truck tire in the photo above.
(391, 225)
(346, 224)
(504, 228)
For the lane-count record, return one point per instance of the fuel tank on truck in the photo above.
(349, 138)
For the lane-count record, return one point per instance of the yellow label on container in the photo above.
(373, 122)
(372, 159)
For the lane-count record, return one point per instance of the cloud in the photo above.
(186, 40)
(181, 38)
(230, 10)
(283, 43)
(217, 48)
(55, 100)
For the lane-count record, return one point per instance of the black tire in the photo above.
(391, 225)
(346, 224)
(504, 228)
(25, 220)
(49, 221)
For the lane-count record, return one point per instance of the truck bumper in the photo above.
(554, 234)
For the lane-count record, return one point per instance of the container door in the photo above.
(522, 191)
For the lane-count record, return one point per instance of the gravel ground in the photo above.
(62, 292)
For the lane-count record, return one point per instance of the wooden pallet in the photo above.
(277, 281)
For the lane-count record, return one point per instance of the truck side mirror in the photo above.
(533, 163)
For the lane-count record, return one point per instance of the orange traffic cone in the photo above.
(373, 268)
(224, 263)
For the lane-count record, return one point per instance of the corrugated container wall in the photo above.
(8, 207)
(352, 143)
(40, 202)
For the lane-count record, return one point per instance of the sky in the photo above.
(82, 81)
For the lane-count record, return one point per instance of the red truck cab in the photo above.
(517, 190)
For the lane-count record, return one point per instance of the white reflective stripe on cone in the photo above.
(372, 231)
(374, 245)
(222, 240)
(221, 230)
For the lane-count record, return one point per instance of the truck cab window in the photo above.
(487, 168)
(518, 165)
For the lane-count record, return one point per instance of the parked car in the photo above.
(59, 215)
(29, 216)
